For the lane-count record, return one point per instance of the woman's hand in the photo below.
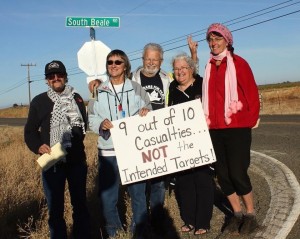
(193, 45)
(143, 111)
(106, 124)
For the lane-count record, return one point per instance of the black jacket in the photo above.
(193, 92)
(37, 128)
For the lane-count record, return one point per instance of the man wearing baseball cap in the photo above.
(58, 116)
(55, 67)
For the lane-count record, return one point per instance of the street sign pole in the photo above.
(93, 37)
(92, 33)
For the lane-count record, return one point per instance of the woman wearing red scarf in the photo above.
(231, 106)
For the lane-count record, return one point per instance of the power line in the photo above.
(42, 78)
(238, 29)
(13, 88)
(232, 22)
(246, 19)
(69, 74)
(271, 19)
(251, 25)
(142, 4)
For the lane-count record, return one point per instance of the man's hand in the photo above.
(94, 84)
(43, 149)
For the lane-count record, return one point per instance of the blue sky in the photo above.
(34, 32)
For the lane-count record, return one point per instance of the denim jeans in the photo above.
(137, 192)
(54, 180)
(157, 197)
(109, 182)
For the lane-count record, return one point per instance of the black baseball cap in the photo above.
(55, 67)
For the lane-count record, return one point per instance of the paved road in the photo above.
(12, 121)
(275, 173)
(278, 137)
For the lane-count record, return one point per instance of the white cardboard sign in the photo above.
(165, 141)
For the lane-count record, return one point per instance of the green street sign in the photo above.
(92, 22)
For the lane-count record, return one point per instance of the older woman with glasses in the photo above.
(194, 187)
(118, 98)
(231, 106)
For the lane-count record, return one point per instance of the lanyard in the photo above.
(120, 108)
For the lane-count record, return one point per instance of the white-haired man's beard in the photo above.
(150, 70)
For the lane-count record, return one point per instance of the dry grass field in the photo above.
(285, 100)
(23, 212)
(14, 112)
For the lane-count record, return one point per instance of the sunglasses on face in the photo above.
(52, 76)
(117, 62)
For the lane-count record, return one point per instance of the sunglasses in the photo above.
(52, 76)
(117, 62)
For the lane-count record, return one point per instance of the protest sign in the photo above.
(165, 141)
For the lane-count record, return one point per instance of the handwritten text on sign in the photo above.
(165, 141)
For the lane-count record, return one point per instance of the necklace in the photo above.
(120, 108)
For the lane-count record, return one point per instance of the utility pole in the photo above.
(28, 78)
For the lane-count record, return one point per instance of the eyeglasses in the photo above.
(216, 39)
(151, 60)
(52, 76)
(182, 68)
(117, 62)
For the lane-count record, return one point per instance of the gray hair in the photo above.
(154, 47)
(187, 59)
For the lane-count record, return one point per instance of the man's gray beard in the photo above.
(151, 72)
